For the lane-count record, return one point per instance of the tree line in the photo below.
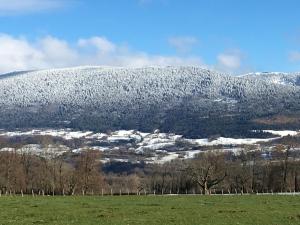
(209, 172)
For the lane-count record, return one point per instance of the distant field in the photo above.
(269, 210)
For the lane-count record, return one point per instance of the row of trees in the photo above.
(27, 173)
(223, 172)
(22, 172)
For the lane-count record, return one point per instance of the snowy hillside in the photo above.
(276, 78)
(186, 100)
(131, 145)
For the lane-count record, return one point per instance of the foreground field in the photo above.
(277, 210)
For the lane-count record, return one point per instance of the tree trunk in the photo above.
(296, 182)
(206, 189)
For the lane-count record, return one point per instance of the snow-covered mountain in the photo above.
(186, 100)
(276, 77)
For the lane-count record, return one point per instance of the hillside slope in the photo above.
(186, 100)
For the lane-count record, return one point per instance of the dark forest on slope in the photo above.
(186, 100)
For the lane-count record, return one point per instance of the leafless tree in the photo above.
(208, 170)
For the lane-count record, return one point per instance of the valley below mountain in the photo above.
(135, 147)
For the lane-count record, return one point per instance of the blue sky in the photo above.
(233, 36)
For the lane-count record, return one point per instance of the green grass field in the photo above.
(148, 210)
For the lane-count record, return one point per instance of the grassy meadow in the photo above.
(88, 210)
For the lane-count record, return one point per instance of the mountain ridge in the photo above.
(189, 100)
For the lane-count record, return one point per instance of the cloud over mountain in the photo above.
(19, 53)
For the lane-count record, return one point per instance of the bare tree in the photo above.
(208, 170)
(88, 170)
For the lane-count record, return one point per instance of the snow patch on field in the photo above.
(67, 134)
(43, 151)
(160, 147)
(191, 154)
(164, 159)
(228, 141)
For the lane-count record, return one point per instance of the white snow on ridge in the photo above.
(277, 78)
(63, 133)
(282, 133)
(229, 141)
(157, 146)
(69, 134)
(97, 136)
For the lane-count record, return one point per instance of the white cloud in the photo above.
(101, 44)
(25, 6)
(56, 52)
(18, 53)
(294, 56)
(230, 61)
(183, 44)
